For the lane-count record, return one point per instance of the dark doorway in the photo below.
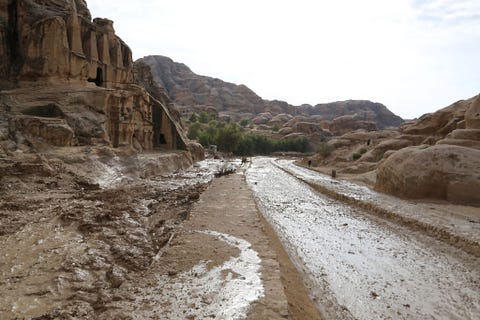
(115, 127)
(162, 139)
(99, 79)
(158, 136)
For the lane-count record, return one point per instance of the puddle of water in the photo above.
(223, 292)
(29, 289)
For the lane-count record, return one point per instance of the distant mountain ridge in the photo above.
(195, 92)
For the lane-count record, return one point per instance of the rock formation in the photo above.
(69, 80)
(442, 171)
(192, 92)
(349, 123)
(448, 167)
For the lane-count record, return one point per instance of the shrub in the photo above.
(363, 150)
(244, 122)
(203, 117)
(356, 156)
(325, 149)
(193, 118)
(231, 138)
(194, 131)
(276, 127)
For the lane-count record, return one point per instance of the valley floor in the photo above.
(259, 243)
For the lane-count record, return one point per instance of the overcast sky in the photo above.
(414, 56)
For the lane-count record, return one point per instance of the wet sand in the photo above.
(360, 266)
(226, 232)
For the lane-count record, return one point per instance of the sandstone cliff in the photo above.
(68, 80)
(446, 165)
(193, 92)
(435, 156)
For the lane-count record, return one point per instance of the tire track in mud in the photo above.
(468, 245)
(369, 267)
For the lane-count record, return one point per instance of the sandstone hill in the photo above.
(193, 93)
(436, 156)
(68, 81)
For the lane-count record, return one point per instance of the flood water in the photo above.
(360, 266)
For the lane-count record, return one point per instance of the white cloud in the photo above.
(415, 56)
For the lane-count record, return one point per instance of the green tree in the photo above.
(244, 122)
(228, 138)
(193, 118)
(194, 131)
(203, 117)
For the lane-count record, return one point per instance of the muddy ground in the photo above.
(97, 234)
(92, 234)
(69, 241)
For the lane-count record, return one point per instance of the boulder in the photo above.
(307, 127)
(376, 154)
(262, 118)
(279, 119)
(53, 131)
(439, 172)
(344, 124)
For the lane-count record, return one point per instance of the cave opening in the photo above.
(47, 111)
(158, 136)
(98, 80)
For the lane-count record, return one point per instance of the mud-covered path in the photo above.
(360, 266)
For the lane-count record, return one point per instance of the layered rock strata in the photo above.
(447, 165)
(68, 80)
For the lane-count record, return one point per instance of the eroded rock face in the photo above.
(57, 40)
(191, 90)
(348, 123)
(441, 172)
(440, 123)
(69, 81)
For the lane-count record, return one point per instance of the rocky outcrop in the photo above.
(67, 80)
(348, 123)
(440, 172)
(467, 132)
(436, 126)
(447, 170)
(191, 92)
(57, 40)
(189, 89)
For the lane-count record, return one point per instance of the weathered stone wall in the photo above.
(54, 54)
(57, 40)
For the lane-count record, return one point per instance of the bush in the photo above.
(194, 131)
(363, 150)
(231, 138)
(193, 118)
(203, 117)
(325, 149)
(275, 128)
(356, 156)
(244, 123)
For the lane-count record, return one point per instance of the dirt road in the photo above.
(222, 264)
(360, 266)
(136, 243)
(141, 245)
